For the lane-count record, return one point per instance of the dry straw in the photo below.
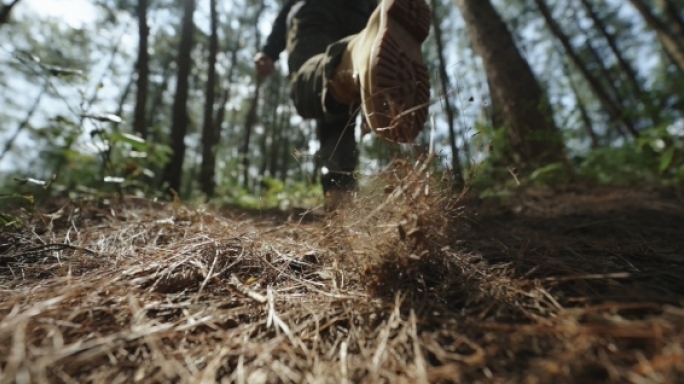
(405, 286)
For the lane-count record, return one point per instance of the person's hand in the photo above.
(264, 64)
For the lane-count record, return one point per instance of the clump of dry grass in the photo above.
(405, 286)
(399, 230)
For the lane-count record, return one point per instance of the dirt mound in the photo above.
(409, 285)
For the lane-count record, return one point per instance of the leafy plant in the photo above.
(274, 194)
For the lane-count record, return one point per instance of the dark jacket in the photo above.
(275, 43)
(277, 40)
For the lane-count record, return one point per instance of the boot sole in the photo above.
(399, 80)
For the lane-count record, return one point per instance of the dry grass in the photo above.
(410, 285)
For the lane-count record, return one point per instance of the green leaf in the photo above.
(27, 197)
(114, 179)
(63, 120)
(10, 221)
(666, 161)
(135, 142)
(104, 117)
(29, 180)
(61, 71)
(547, 173)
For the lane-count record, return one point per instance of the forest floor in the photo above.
(569, 285)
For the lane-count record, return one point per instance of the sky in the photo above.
(62, 9)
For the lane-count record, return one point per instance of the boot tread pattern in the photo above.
(402, 90)
(414, 15)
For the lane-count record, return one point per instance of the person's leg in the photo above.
(382, 68)
(338, 158)
(316, 44)
(338, 61)
(317, 39)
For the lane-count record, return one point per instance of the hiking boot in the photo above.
(382, 69)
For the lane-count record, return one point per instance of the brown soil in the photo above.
(575, 285)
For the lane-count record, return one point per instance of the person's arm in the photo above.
(275, 43)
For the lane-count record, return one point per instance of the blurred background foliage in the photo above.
(136, 96)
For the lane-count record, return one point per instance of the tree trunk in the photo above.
(456, 168)
(143, 69)
(263, 151)
(667, 38)
(5, 11)
(613, 110)
(274, 151)
(584, 113)
(251, 118)
(285, 159)
(153, 110)
(122, 99)
(626, 67)
(250, 121)
(674, 18)
(534, 138)
(610, 77)
(271, 127)
(223, 102)
(206, 174)
(283, 122)
(173, 172)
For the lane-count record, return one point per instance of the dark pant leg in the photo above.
(338, 156)
(317, 39)
(318, 36)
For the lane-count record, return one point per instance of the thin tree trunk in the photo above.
(584, 113)
(24, 123)
(282, 124)
(606, 74)
(173, 172)
(456, 168)
(189, 184)
(263, 152)
(250, 121)
(626, 67)
(269, 127)
(219, 118)
(497, 118)
(303, 144)
(613, 110)
(122, 99)
(667, 38)
(153, 111)
(534, 138)
(285, 159)
(251, 118)
(223, 102)
(674, 17)
(124, 95)
(143, 69)
(5, 11)
(206, 174)
(274, 151)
